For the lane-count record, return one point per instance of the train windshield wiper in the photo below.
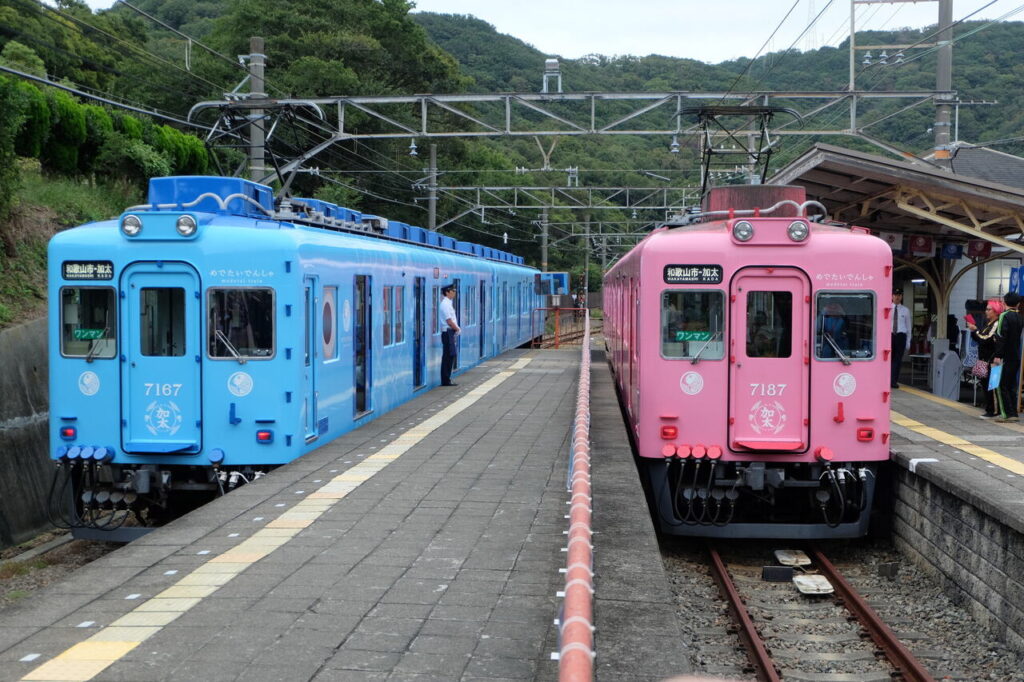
(95, 345)
(227, 344)
(696, 356)
(835, 347)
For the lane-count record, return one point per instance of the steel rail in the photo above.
(764, 667)
(907, 666)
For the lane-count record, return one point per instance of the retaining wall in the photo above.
(978, 559)
(24, 418)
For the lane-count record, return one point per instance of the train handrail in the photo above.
(689, 218)
(576, 622)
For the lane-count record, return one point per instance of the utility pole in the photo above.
(944, 81)
(544, 240)
(257, 135)
(432, 189)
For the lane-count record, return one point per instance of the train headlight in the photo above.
(186, 226)
(743, 231)
(798, 231)
(131, 225)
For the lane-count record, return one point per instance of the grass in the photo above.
(12, 569)
(15, 595)
(46, 205)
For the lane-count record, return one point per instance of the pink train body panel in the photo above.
(771, 350)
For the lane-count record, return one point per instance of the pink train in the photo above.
(750, 348)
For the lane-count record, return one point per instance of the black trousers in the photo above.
(447, 355)
(1008, 387)
(899, 345)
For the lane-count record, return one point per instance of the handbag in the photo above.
(994, 376)
(980, 369)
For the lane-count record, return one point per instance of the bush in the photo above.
(130, 160)
(60, 153)
(35, 130)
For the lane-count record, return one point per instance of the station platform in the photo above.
(424, 546)
(976, 460)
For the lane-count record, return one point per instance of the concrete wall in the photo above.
(978, 560)
(24, 416)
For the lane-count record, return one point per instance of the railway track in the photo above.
(840, 632)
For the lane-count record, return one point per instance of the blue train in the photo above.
(200, 340)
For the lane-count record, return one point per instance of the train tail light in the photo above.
(265, 436)
(68, 432)
(669, 432)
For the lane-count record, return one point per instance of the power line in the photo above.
(97, 98)
(754, 58)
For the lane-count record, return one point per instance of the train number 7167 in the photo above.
(166, 390)
(767, 389)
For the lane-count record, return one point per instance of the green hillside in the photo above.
(181, 52)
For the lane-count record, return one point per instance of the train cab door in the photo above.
(769, 360)
(483, 316)
(361, 342)
(161, 379)
(309, 388)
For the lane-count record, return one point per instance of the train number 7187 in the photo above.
(767, 389)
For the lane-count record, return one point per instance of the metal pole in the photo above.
(432, 187)
(257, 135)
(544, 240)
(853, 67)
(944, 81)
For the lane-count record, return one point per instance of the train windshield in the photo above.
(844, 326)
(692, 324)
(88, 322)
(241, 323)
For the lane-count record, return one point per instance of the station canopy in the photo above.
(929, 213)
(917, 198)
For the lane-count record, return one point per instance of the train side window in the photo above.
(329, 350)
(162, 332)
(844, 326)
(88, 321)
(692, 322)
(241, 323)
(388, 315)
(399, 314)
(769, 324)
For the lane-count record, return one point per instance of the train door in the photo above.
(309, 393)
(483, 316)
(419, 325)
(161, 380)
(362, 343)
(458, 318)
(769, 353)
(504, 315)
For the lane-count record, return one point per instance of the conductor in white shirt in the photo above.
(452, 330)
(900, 335)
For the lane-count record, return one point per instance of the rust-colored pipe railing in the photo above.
(576, 625)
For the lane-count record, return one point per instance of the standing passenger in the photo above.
(448, 335)
(1008, 355)
(900, 335)
(987, 340)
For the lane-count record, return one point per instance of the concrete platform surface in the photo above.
(423, 546)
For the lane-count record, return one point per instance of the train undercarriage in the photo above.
(117, 503)
(705, 498)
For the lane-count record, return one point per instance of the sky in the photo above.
(707, 30)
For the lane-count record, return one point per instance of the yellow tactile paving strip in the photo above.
(87, 659)
(990, 456)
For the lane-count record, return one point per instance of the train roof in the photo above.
(246, 199)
